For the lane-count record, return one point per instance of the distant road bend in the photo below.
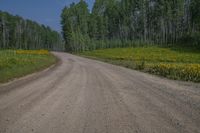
(86, 96)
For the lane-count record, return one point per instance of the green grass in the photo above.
(174, 63)
(14, 65)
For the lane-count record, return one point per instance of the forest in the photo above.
(125, 23)
(19, 33)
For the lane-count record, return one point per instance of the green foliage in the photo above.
(140, 65)
(18, 33)
(147, 54)
(191, 40)
(187, 72)
(14, 65)
(161, 22)
(173, 63)
(195, 12)
(75, 26)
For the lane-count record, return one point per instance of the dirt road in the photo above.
(85, 96)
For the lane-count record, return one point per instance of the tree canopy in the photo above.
(18, 33)
(121, 23)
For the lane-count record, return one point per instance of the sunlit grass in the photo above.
(16, 63)
(174, 63)
(33, 52)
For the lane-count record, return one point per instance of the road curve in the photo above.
(87, 96)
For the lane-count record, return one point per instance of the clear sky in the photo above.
(45, 12)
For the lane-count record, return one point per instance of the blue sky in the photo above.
(42, 11)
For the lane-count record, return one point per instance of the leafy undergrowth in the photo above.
(14, 64)
(181, 64)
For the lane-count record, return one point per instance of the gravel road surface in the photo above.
(80, 95)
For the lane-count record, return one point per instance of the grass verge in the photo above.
(15, 64)
(173, 63)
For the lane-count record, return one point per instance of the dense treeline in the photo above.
(122, 23)
(18, 33)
